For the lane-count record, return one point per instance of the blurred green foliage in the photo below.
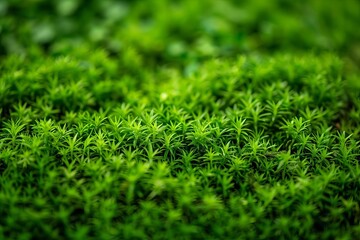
(181, 31)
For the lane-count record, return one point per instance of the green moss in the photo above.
(159, 120)
(251, 147)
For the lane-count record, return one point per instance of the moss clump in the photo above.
(251, 147)
(159, 120)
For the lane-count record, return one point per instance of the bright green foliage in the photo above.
(159, 120)
(247, 147)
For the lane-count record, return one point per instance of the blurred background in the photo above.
(182, 32)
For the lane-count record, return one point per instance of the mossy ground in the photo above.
(188, 120)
